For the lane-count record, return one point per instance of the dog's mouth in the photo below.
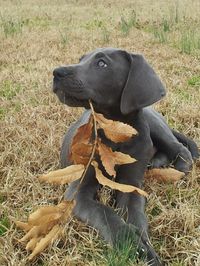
(74, 97)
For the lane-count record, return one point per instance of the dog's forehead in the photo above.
(100, 51)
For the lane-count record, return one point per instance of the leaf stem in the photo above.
(93, 148)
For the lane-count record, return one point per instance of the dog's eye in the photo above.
(101, 63)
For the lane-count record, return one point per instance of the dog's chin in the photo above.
(71, 100)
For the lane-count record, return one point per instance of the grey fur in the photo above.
(120, 85)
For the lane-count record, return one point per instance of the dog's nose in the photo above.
(60, 72)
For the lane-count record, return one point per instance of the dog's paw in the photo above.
(147, 252)
(159, 160)
(183, 161)
(126, 236)
(129, 238)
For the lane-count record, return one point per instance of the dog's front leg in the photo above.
(97, 215)
(133, 206)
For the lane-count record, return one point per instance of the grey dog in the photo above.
(121, 85)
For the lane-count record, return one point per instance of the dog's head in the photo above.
(112, 79)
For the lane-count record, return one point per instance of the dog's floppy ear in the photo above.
(143, 87)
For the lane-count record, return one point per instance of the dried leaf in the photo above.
(24, 226)
(80, 153)
(67, 208)
(84, 133)
(44, 225)
(117, 186)
(38, 230)
(48, 218)
(34, 232)
(81, 148)
(45, 211)
(115, 130)
(40, 213)
(44, 242)
(50, 213)
(64, 176)
(32, 243)
(165, 175)
(110, 159)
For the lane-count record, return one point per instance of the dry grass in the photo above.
(35, 37)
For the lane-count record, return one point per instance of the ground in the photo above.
(35, 37)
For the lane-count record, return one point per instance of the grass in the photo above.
(64, 38)
(190, 41)
(194, 81)
(9, 90)
(33, 121)
(126, 24)
(176, 29)
(105, 35)
(4, 225)
(161, 31)
(2, 113)
(126, 255)
(11, 27)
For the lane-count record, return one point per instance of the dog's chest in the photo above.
(127, 147)
(139, 146)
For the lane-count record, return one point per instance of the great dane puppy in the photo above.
(121, 85)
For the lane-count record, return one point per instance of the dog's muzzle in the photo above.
(58, 73)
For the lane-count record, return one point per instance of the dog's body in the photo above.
(120, 86)
(169, 145)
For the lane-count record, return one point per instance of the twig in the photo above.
(93, 148)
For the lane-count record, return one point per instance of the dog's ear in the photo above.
(143, 87)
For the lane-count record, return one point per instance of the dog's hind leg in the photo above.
(166, 143)
(190, 144)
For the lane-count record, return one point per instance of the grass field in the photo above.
(35, 37)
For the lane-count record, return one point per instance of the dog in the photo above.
(121, 86)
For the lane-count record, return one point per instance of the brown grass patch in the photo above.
(44, 34)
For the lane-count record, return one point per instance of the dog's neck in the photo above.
(115, 114)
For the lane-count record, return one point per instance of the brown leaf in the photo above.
(45, 241)
(32, 243)
(117, 186)
(66, 207)
(38, 230)
(24, 226)
(81, 148)
(165, 175)
(82, 137)
(34, 232)
(41, 212)
(64, 176)
(50, 213)
(43, 224)
(80, 153)
(115, 130)
(110, 159)
(84, 133)
(48, 218)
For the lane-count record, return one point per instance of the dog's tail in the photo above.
(190, 144)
